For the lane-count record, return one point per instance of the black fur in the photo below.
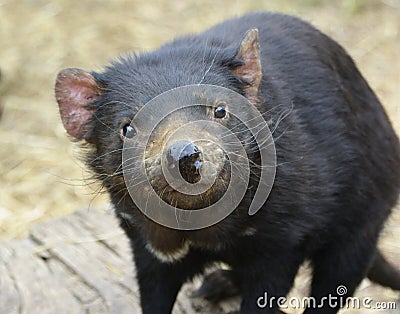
(338, 174)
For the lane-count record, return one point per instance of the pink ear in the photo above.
(75, 91)
(250, 72)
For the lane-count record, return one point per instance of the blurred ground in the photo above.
(40, 173)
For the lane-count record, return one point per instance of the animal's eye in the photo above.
(127, 131)
(219, 112)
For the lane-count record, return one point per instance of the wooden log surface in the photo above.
(82, 263)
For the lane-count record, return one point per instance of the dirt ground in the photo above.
(41, 176)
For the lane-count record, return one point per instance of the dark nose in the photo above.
(186, 156)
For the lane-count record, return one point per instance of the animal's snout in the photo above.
(187, 158)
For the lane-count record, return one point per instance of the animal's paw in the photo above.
(217, 286)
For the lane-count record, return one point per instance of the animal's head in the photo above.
(99, 108)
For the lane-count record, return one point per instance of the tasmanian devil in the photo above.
(337, 174)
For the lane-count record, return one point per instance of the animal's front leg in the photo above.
(159, 282)
(264, 281)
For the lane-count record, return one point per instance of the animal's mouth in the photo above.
(189, 176)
